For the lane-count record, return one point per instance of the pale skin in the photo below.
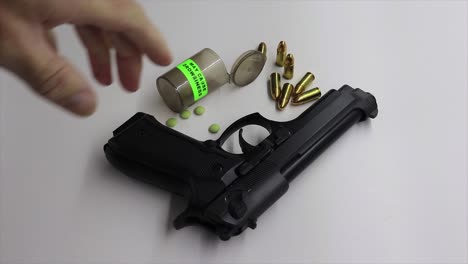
(28, 48)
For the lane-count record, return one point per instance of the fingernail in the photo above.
(132, 86)
(105, 78)
(167, 59)
(83, 103)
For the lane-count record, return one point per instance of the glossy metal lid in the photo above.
(247, 67)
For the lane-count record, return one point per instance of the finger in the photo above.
(98, 52)
(52, 77)
(129, 62)
(51, 39)
(127, 17)
(150, 41)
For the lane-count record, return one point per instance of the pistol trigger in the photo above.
(245, 146)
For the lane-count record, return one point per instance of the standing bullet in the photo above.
(307, 96)
(285, 96)
(262, 48)
(302, 85)
(275, 85)
(289, 67)
(281, 53)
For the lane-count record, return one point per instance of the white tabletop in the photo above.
(390, 190)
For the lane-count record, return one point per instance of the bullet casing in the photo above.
(281, 52)
(302, 85)
(262, 48)
(289, 67)
(275, 85)
(307, 96)
(285, 96)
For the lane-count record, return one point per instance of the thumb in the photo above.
(54, 78)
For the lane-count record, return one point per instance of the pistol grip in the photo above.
(146, 150)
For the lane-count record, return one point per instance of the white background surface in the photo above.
(392, 190)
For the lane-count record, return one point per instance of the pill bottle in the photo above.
(204, 73)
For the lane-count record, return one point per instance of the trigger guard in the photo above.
(252, 119)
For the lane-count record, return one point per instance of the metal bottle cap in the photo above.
(247, 67)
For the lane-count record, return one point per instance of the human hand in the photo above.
(28, 49)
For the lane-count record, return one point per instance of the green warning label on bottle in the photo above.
(195, 77)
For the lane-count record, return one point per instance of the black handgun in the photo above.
(227, 192)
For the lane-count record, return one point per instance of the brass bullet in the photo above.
(275, 85)
(307, 96)
(285, 96)
(289, 67)
(262, 48)
(281, 52)
(302, 85)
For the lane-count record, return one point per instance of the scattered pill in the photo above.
(185, 114)
(214, 128)
(171, 122)
(199, 110)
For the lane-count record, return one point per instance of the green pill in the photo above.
(185, 114)
(214, 128)
(171, 122)
(199, 110)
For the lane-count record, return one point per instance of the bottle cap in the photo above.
(247, 67)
